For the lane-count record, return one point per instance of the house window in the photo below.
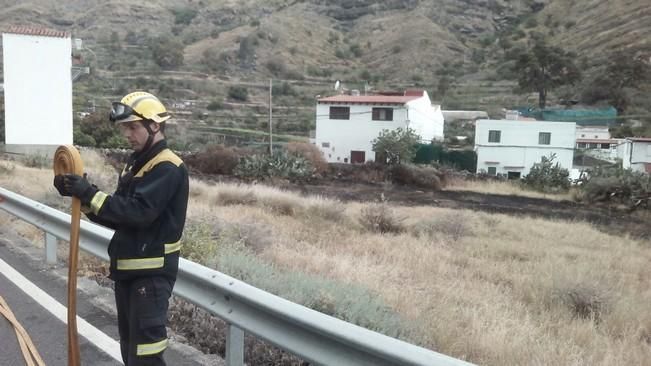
(382, 114)
(494, 135)
(582, 135)
(339, 112)
(544, 138)
(580, 145)
(492, 170)
(605, 146)
(325, 144)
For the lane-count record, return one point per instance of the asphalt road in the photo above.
(49, 333)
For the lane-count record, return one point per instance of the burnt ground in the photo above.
(609, 219)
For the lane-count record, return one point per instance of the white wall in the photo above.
(640, 155)
(587, 132)
(355, 133)
(425, 119)
(518, 148)
(37, 89)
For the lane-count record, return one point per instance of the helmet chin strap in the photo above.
(150, 138)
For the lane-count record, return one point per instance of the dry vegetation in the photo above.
(508, 188)
(491, 289)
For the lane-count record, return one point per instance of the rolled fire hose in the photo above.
(68, 161)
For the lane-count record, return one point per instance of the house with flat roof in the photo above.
(512, 147)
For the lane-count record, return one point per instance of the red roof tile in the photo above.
(34, 31)
(369, 99)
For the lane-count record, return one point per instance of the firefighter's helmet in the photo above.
(138, 106)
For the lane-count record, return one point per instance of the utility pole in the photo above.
(270, 121)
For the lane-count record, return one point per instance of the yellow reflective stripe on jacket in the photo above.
(172, 247)
(151, 348)
(97, 201)
(140, 263)
(165, 155)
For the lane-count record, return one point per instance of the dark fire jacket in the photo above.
(147, 212)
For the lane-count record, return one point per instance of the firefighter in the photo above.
(147, 212)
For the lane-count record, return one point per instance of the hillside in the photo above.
(197, 50)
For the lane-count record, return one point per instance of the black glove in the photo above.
(79, 187)
(60, 185)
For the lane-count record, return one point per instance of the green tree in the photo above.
(396, 146)
(96, 128)
(623, 71)
(166, 51)
(115, 44)
(238, 93)
(547, 176)
(543, 68)
(184, 16)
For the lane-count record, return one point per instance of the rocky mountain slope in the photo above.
(453, 48)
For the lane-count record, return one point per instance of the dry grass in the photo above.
(506, 188)
(492, 289)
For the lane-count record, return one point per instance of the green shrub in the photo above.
(215, 105)
(350, 303)
(198, 242)
(356, 50)
(283, 88)
(547, 177)
(276, 66)
(396, 146)
(309, 152)
(237, 92)
(215, 159)
(614, 184)
(167, 51)
(184, 15)
(419, 176)
(280, 164)
(81, 139)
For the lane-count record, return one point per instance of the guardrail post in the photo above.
(234, 346)
(50, 248)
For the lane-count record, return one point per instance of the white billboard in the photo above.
(37, 88)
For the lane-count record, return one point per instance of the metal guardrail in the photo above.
(313, 336)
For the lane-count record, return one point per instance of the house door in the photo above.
(357, 157)
(513, 175)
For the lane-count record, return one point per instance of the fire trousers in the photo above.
(142, 315)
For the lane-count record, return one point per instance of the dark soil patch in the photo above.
(605, 218)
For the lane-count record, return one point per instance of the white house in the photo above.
(347, 124)
(635, 153)
(603, 149)
(37, 87)
(513, 147)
